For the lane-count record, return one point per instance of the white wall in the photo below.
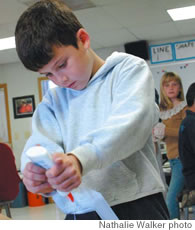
(22, 82)
(2, 75)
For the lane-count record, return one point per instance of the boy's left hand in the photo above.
(65, 175)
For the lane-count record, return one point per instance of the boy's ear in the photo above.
(83, 36)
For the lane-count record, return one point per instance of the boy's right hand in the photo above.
(35, 180)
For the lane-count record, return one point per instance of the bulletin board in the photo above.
(185, 69)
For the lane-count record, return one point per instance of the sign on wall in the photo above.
(184, 50)
(161, 53)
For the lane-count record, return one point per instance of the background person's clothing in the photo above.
(108, 127)
(172, 120)
(187, 148)
(175, 187)
(160, 163)
(152, 207)
(9, 178)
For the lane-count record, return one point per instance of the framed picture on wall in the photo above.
(23, 106)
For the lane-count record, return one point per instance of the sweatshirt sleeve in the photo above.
(45, 130)
(129, 124)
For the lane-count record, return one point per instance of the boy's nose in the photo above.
(62, 78)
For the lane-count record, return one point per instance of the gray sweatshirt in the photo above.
(108, 126)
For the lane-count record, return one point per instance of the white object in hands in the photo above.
(159, 131)
(41, 157)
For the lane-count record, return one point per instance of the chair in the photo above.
(9, 178)
(6, 205)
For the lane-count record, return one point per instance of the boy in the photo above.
(100, 116)
(186, 140)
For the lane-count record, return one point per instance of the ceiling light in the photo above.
(182, 13)
(7, 43)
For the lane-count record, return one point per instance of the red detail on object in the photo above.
(70, 196)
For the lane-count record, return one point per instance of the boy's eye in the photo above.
(62, 65)
(48, 75)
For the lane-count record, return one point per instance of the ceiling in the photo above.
(110, 22)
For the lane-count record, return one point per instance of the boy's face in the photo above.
(70, 67)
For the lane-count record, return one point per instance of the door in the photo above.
(5, 128)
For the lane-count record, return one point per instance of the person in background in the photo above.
(97, 124)
(172, 111)
(187, 140)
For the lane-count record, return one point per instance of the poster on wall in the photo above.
(161, 53)
(23, 106)
(184, 50)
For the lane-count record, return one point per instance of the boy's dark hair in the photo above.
(190, 96)
(44, 24)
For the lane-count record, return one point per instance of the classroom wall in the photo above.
(185, 69)
(22, 82)
(105, 52)
(2, 75)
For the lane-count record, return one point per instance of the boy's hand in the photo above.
(65, 175)
(35, 179)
